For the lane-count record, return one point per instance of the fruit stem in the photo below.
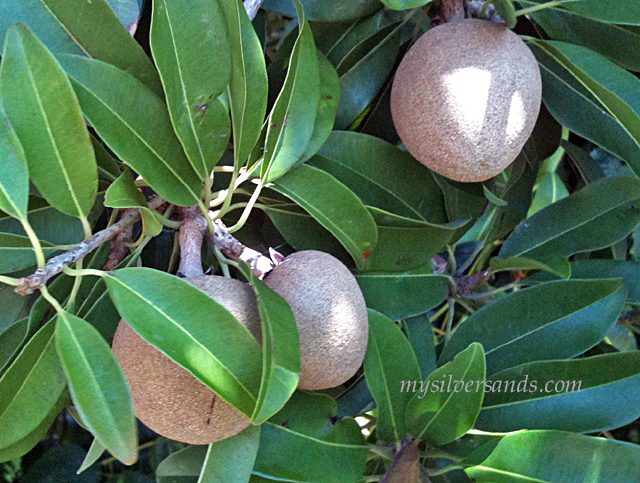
(452, 10)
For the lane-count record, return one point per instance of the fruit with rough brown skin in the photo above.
(330, 313)
(166, 397)
(465, 99)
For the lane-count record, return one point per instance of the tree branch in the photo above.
(192, 230)
(452, 10)
(28, 285)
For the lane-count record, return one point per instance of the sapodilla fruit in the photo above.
(465, 99)
(330, 313)
(166, 397)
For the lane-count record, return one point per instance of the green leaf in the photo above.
(292, 119)
(231, 460)
(50, 225)
(280, 350)
(364, 71)
(46, 117)
(14, 177)
(560, 395)
(335, 207)
(388, 364)
(421, 337)
(191, 48)
(300, 443)
(93, 455)
(598, 269)
(541, 457)
(108, 167)
(588, 167)
(13, 306)
(399, 295)
(616, 89)
(183, 466)
(555, 320)
(123, 193)
(83, 28)
(404, 4)
(11, 340)
(382, 175)
(193, 330)
(614, 41)
(98, 387)
(440, 416)
(16, 252)
(607, 11)
(577, 109)
(30, 388)
(127, 11)
(135, 124)
(325, 10)
(327, 107)
(406, 244)
(557, 266)
(354, 34)
(599, 215)
(26, 444)
(248, 84)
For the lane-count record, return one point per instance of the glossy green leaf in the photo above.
(421, 337)
(193, 78)
(248, 84)
(335, 207)
(541, 457)
(13, 306)
(558, 266)
(45, 114)
(577, 109)
(599, 215)
(280, 350)
(142, 137)
(14, 178)
(327, 107)
(98, 387)
(362, 77)
(560, 395)
(95, 452)
(382, 175)
(50, 225)
(231, 460)
(614, 41)
(555, 320)
(11, 340)
(406, 244)
(588, 167)
(622, 338)
(292, 119)
(83, 28)
(193, 330)
(325, 10)
(353, 36)
(389, 364)
(300, 443)
(616, 89)
(404, 4)
(123, 193)
(440, 415)
(127, 11)
(183, 466)
(398, 295)
(597, 269)
(108, 167)
(42, 310)
(26, 444)
(303, 232)
(606, 11)
(30, 387)
(16, 252)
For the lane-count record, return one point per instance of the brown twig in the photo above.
(28, 285)
(260, 264)
(452, 10)
(405, 466)
(119, 248)
(192, 230)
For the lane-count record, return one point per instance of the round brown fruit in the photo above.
(166, 397)
(465, 99)
(330, 313)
